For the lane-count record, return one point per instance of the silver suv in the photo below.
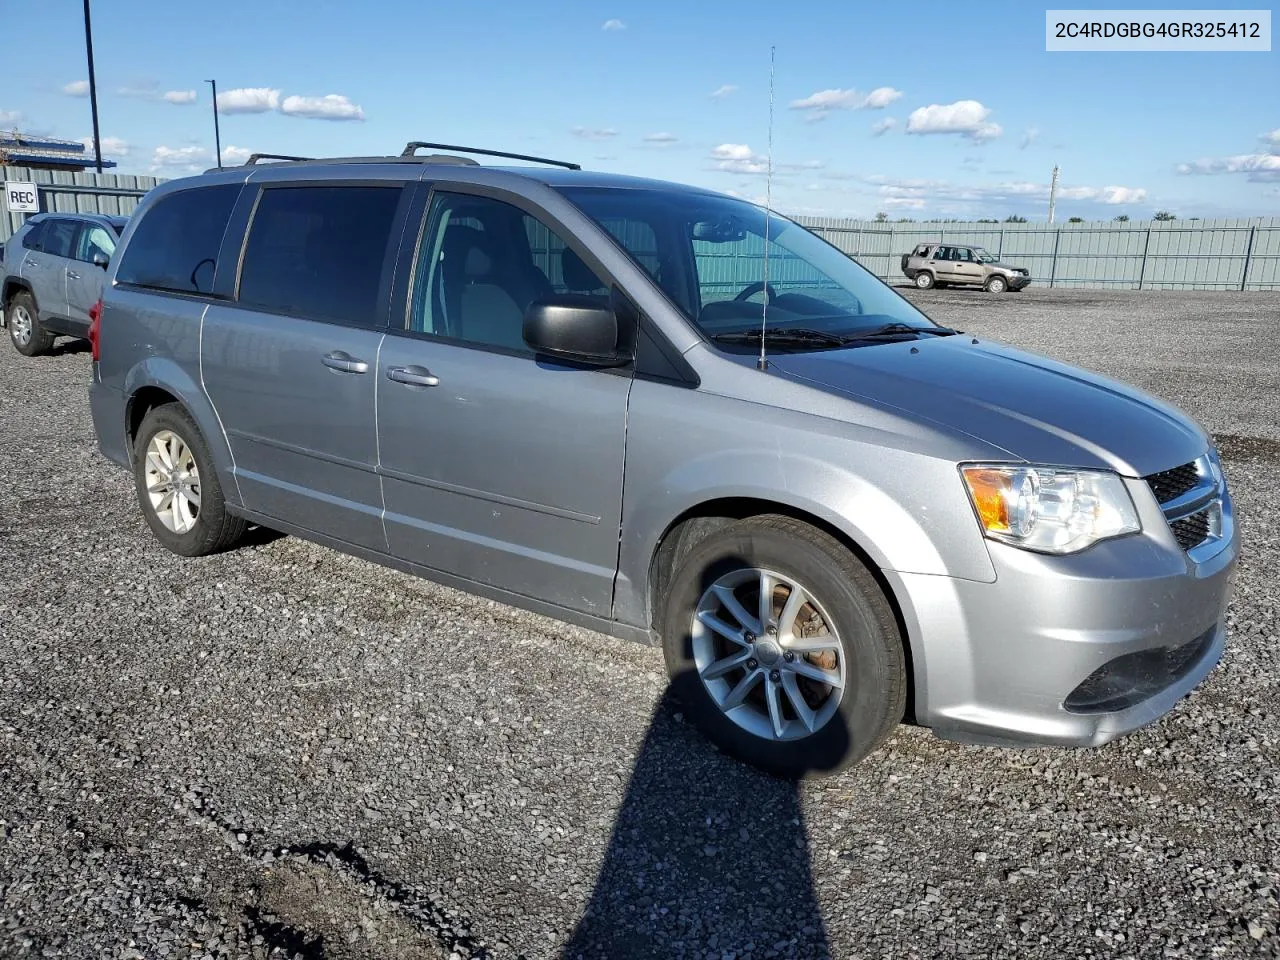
(52, 273)
(594, 397)
(943, 264)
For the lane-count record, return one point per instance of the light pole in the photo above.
(93, 88)
(217, 137)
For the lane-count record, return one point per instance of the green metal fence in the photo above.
(1138, 255)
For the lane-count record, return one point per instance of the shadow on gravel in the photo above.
(707, 856)
(64, 347)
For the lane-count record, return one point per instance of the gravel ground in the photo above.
(283, 751)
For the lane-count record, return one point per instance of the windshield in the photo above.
(983, 256)
(707, 253)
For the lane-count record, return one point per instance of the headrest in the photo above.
(577, 275)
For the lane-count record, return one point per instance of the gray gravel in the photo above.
(283, 751)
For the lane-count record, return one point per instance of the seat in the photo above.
(483, 304)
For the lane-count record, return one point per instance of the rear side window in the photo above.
(59, 237)
(31, 239)
(175, 247)
(318, 252)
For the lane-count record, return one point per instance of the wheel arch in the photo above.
(701, 520)
(11, 287)
(158, 381)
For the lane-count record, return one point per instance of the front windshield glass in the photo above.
(707, 253)
(983, 256)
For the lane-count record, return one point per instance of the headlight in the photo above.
(1048, 509)
(1215, 468)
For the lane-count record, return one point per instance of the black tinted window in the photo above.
(59, 237)
(318, 252)
(175, 247)
(31, 239)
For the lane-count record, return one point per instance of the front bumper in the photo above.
(1019, 282)
(1072, 651)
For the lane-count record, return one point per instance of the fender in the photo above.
(894, 536)
(155, 371)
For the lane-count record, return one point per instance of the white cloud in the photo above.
(881, 97)
(739, 158)
(249, 100)
(613, 24)
(112, 147)
(1257, 166)
(818, 105)
(1272, 139)
(233, 156)
(332, 106)
(1028, 138)
(180, 96)
(182, 159)
(596, 133)
(722, 91)
(881, 127)
(10, 118)
(77, 88)
(967, 118)
(941, 196)
(662, 139)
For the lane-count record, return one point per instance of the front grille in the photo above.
(1133, 677)
(1171, 484)
(1192, 530)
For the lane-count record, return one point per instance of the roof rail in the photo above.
(255, 157)
(413, 146)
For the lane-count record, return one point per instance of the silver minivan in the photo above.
(674, 417)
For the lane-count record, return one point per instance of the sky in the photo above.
(958, 112)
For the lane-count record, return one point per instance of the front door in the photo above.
(84, 277)
(291, 365)
(967, 268)
(499, 466)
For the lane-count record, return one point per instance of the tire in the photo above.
(865, 655)
(924, 280)
(26, 334)
(996, 285)
(189, 529)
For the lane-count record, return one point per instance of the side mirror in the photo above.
(100, 259)
(574, 327)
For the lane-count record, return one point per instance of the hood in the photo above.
(1035, 408)
(1000, 264)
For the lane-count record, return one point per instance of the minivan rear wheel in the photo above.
(178, 488)
(924, 280)
(783, 648)
(29, 338)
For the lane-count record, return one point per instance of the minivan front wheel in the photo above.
(177, 486)
(783, 648)
(29, 338)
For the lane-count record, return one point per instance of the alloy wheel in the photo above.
(20, 326)
(173, 481)
(767, 654)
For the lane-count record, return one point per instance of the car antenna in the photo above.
(763, 362)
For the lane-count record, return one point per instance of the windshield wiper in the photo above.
(779, 336)
(897, 329)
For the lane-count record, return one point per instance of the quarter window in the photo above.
(175, 246)
(319, 252)
(481, 263)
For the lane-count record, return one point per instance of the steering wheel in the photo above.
(751, 289)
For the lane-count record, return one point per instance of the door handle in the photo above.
(72, 275)
(413, 376)
(343, 362)
(28, 262)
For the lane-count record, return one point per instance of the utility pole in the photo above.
(93, 88)
(217, 137)
(1053, 192)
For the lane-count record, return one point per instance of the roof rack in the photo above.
(255, 157)
(413, 146)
